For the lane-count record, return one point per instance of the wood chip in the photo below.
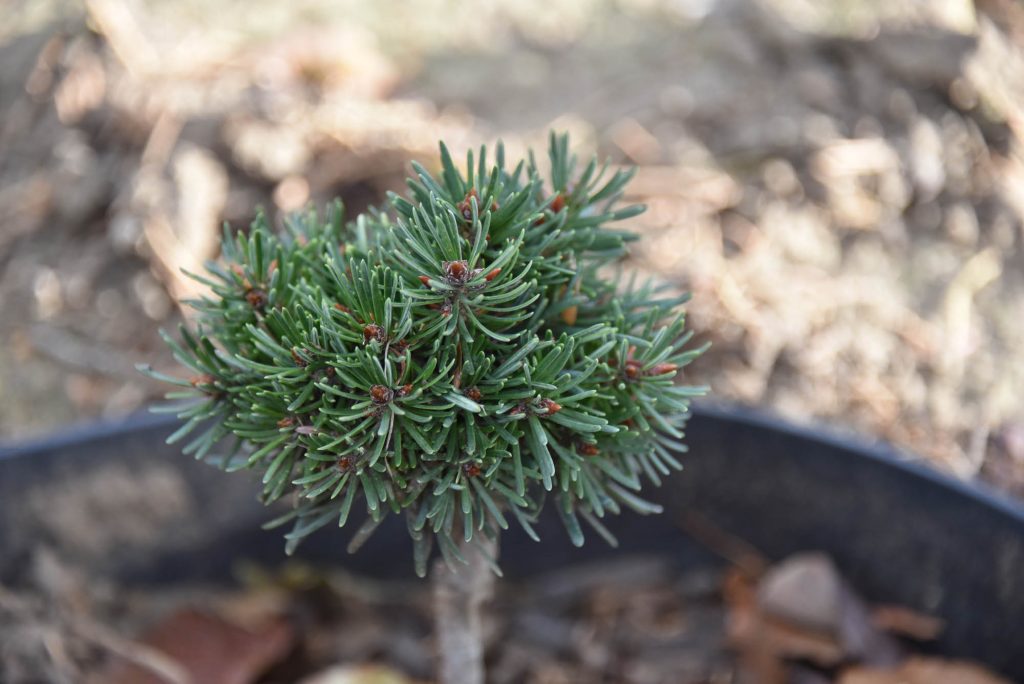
(210, 649)
(923, 671)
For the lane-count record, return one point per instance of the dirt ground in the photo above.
(632, 620)
(841, 185)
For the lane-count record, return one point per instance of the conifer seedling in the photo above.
(461, 359)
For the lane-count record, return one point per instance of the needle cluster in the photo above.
(459, 358)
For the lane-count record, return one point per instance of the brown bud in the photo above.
(198, 380)
(632, 369)
(344, 463)
(257, 298)
(381, 394)
(471, 469)
(342, 308)
(558, 203)
(492, 275)
(663, 368)
(425, 280)
(474, 393)
(404, 390)
(456, 271)
(299, 361)
(570, 314)
(373, 332)
(465, 207)
(286, 422)
(552, 407)
(587, 449)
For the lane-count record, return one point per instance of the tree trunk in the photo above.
(458, 595)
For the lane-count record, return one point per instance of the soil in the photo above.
(634, 620)
(838, 184)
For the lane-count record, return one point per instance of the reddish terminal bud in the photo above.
(373, 332)
(456, 271)
(344, 464)
(465, 207)
(299, 361)
(492, 275)
(558, 203)
(632, 369)
(199, 380)
(471, 469)
(404, 390)
(474, 393)
(587, 449)
(342, 308)
(257, 298)
(446, 309)
(381, 394)
(286, 422)
(663, 368)
(425, 280)
(552, 407)
(272, 267)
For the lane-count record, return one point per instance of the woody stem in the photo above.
(459, 593)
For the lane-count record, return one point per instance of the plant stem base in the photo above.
(458, 595)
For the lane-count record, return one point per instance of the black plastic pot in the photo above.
(117, 500)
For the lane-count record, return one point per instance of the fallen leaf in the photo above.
(907, 623)
(923, 671)
(210, 649)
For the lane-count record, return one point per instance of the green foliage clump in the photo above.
(457, 358)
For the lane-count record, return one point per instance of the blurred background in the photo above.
(840, 184)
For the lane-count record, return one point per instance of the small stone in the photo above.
(962, 224)
(803, 589)
(359, 674)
